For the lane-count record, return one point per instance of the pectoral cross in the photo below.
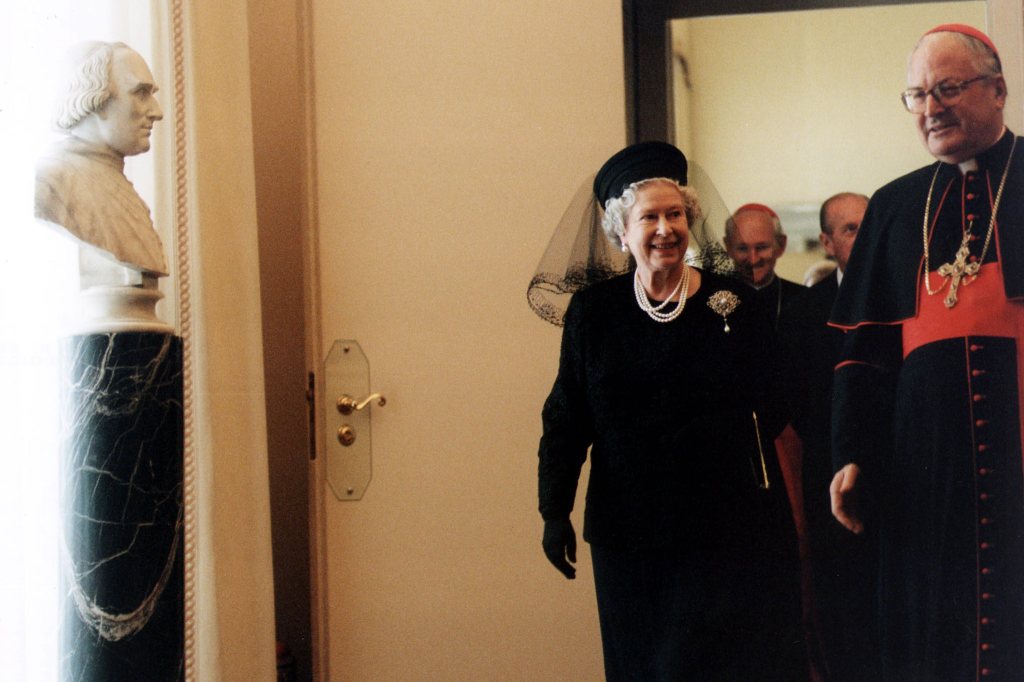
(958, 270)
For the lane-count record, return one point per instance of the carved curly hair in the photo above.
(87, 84)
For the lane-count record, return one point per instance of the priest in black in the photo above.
(662, 378)
(927, 410)
(755, 241)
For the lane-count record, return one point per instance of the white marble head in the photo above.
(109, 98)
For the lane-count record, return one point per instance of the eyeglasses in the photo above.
(946, 93)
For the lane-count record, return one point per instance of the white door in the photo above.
(450, 137)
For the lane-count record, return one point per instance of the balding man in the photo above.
(754, 240)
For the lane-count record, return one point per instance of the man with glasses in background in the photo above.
(927, 398)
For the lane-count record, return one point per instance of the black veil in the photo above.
(579, 254)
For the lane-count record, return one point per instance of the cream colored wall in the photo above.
(801, 109)
(791, 107)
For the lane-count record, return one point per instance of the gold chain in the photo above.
(991, 222)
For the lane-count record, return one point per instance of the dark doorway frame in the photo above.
(646, 43)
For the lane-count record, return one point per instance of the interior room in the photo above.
(375, 182)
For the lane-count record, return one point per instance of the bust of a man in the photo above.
(107, 113)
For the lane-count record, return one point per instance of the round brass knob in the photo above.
(346, 435)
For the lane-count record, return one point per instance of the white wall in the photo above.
(795, 106)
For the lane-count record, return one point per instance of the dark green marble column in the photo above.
(122, 500)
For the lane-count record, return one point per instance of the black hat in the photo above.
(638, 162)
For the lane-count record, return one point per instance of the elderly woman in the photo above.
(664, 376)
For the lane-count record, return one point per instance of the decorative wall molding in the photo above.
(182, 232)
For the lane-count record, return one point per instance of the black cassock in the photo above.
(927, 403)
(842, 565)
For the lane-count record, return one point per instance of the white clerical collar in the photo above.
(839, 275)
(766, 284)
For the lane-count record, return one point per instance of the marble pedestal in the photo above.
(123, 578)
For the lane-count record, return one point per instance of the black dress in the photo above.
(695, 561)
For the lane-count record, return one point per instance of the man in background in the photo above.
(841, 565)
(754, 240)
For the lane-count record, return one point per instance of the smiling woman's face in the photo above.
(657, 231)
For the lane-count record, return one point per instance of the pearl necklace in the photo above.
(654, 311)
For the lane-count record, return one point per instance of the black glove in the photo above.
(560, 544)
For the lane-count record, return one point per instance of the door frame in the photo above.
(646, 50)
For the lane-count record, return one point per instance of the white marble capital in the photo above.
(119, 309)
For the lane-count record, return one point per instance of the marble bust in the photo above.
(106, 113)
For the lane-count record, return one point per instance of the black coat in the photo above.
(668, 410)
(776, 298)
(843, 565)
(695, 564)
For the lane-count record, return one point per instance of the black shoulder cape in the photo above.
(881, 283)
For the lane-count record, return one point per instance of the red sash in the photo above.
(982, 310)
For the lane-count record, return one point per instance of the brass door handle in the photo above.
(347, 448)
(347, 404)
